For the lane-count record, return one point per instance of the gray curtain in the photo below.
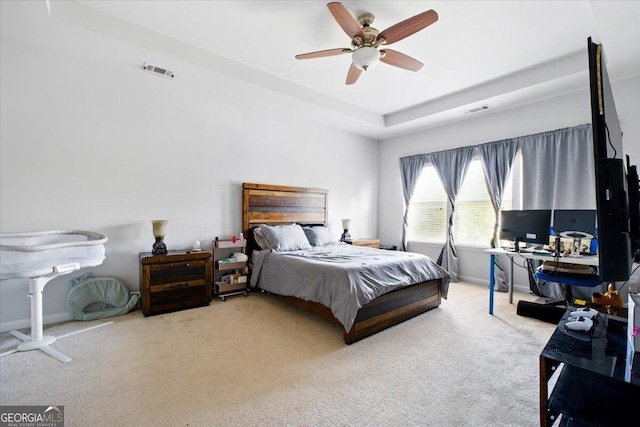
(451, 166)
(558, 169)
(497, 159)
(410, 170)
(558, 173)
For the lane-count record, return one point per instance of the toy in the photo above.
(579, 324)
(610, 298)
(587, 313)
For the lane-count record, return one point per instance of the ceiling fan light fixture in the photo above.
(365, 41)
(365, 57)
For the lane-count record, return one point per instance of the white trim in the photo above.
(26, 322)
(472, 247)
(485, 282)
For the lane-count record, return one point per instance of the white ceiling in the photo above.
(501, 53)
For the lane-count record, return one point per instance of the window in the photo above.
(474, 217)
(428, 209)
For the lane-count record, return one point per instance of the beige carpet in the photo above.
(260, 362)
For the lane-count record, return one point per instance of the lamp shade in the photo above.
(365, 57)
(159, 227)
(346, 224)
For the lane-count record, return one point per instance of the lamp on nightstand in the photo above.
(346, 224)
(159, 225)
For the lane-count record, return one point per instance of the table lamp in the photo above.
(159, 226)
(346, 224)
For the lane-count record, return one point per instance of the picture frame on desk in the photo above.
(566, 245)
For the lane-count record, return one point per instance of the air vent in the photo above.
(478, 109)
(158, 70)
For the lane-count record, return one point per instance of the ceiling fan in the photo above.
(365, 41)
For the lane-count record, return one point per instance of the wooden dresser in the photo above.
(370, 243)
(175, 281)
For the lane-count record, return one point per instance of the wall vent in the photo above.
(478, 109)
(158, 70)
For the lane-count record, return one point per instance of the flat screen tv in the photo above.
(633, 186)
(612, 194)
(528, 226)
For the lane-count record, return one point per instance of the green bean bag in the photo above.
(109, 295)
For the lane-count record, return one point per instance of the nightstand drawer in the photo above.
(167, 297)
(161, 274)
(177, 285)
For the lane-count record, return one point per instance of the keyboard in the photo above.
(537, 251)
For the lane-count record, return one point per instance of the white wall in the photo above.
(562, 111)
(91, 141)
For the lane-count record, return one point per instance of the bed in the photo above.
(385, 301)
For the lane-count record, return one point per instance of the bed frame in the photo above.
(274, 204)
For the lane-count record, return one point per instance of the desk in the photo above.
(583, 260)
(591, 387)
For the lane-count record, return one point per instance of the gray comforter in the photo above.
(341, 276)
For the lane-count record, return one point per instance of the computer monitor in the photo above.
(529, 226)
(576, 224)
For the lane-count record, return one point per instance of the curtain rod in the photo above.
(500, 140)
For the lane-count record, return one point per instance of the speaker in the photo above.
(545, 312)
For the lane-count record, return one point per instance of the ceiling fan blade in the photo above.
(401, 60)
(408, 26)
(322, 53)
(353, 74)
(345, 20)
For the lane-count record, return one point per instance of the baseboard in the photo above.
(485, 282)
(474, 280)
(26, 323)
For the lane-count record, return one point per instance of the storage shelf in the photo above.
(221, 250)
(225, 266)
(224, 244)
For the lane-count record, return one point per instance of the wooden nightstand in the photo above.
(174, 281)
(370, 243)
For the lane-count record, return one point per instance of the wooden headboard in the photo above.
(276, 204)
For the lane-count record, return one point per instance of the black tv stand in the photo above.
(589, 371)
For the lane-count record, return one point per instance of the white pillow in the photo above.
(284, 237)
(319, 236)
(260, 240)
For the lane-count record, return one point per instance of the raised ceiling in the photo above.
(496, 53)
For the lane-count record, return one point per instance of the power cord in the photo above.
(615, 153)
(603, 330)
